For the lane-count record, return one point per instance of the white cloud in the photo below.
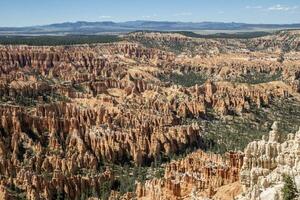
(277, 7)
(280, 7)
(183, 14)
(105, 17)
(254, 7)
(150, 16)
(147, 16)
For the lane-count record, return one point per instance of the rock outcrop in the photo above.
(266, 162)
(199, 174)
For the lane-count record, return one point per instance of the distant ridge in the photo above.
(83, 27)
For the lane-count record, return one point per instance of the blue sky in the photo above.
(38, 12)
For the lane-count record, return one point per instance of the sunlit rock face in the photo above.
(267, 161)
(199, 175)
(255, 174)
(67, 111)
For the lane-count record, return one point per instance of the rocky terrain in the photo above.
(257, 173)
(267, 161)
(157, 115)
(198, 174)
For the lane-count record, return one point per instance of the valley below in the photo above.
(150, 116)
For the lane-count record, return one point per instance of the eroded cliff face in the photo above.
(284, 40)
(266, 162)
(258, 173)
(65, 112)
(198, 175)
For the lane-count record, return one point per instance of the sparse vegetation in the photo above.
(105, 190)
(289, 189)
(176, 47)
(259, 77)
(127, 176)
(16, 192)
(185, 79)
(224, 134)
(238, 35)
(125, 180)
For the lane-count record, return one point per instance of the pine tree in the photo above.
(289, 189)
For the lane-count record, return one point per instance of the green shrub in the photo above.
(289, 189)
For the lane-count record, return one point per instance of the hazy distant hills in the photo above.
(82, 27)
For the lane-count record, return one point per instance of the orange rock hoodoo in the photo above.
(66, 110)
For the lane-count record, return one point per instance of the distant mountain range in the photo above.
(83, 27)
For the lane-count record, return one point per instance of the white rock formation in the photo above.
(265, 163)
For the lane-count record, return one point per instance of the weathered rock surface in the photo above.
(266, 162)
(64, 111)
(197, 175)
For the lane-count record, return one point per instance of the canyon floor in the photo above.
(152, 115)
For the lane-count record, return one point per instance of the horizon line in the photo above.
(139, 20)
